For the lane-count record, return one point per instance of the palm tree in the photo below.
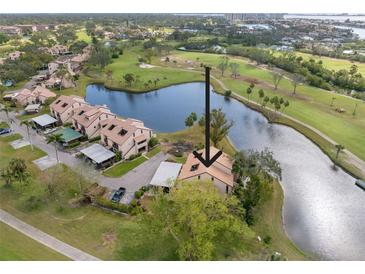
(61, 72)
(55, 138)
(6, 109)
(28, 125)
(339, 148)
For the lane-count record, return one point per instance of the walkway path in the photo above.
(45, 239)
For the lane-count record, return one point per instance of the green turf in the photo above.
(124, 167)
(310, 105)
(15, 246)
(153, 152)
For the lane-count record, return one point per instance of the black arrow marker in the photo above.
(207, 161)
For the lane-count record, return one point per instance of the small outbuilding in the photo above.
(33, 108)
(69, 135)
(166, 175)
(98, 155)
(44, 122)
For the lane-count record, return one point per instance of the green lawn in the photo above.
(128, 63)
(334, 63)
(153, 152)
(124, 167)
(270, 223)
(15, 246)
(310, 105)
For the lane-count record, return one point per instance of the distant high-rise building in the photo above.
(232, 17)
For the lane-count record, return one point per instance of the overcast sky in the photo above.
(182, 6)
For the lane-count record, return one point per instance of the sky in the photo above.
(182, 6)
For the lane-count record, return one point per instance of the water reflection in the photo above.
(323, 210)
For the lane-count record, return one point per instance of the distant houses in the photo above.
(38, 95)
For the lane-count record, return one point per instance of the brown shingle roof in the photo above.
(112, 129)
(86, 114)
(64, 102)
(216, 170)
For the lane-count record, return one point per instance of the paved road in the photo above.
(45, 239)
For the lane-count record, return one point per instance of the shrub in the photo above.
(33, 203)
(145, 188)
(134, 156)
(97, 138)
(138, 194)
(133, 203)
(111, 205)
(267, 239)
(115, 55)
(227, 93)
(153, 142)
(74, 144)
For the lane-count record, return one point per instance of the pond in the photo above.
(323, 209)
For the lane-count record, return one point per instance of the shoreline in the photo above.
(314, 137)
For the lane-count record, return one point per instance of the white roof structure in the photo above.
(44, 120)
(33, 107)
(166, 174)
(98, 153)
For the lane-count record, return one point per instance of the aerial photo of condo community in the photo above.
(102, 117)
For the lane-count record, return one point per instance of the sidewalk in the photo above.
(45, 239)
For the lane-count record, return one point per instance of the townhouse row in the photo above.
(126, 136)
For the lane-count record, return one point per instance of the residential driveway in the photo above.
(136, 178)
(19, 143)
(45, 162)
(45, 239)
(132, 181)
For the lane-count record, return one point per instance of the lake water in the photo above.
(323, 210)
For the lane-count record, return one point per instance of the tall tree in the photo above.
(129, 78)
(296, 80)
(28, 125)
(261, 95)
(6, 109)
(234, 69)
(223, 64)
(55, 139)
(61, 72)
(197, 219)
(220, 126)
(276, 78)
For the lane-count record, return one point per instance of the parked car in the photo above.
(5, 131)
(117, 196)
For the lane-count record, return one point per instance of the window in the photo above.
(58, 101)
(81, 112)
(199, 154)
(111, 127)
(194, 167)
(64, 105)
(199, 177)
(212, 179)
(122, 132)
